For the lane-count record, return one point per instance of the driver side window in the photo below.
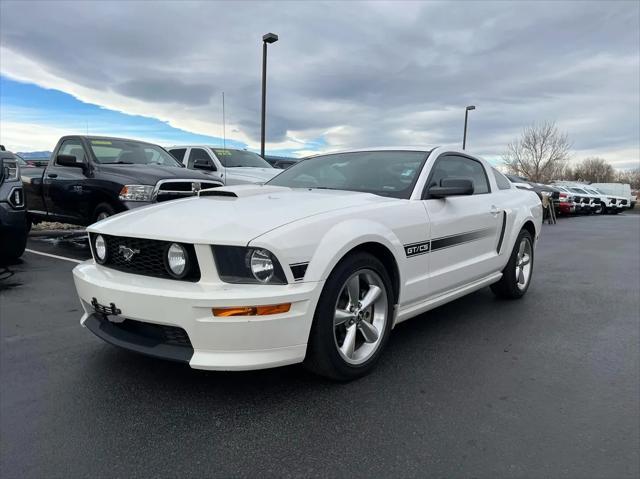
(73, 148)
(454, 166)
(199, 154)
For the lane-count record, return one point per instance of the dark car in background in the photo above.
(89, 178)
(13, 225)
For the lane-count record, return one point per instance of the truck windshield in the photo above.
(385, 173)
(128, 152)
(239, 158)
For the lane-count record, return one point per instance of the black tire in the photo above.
(103, 209)
(603, 210)
(507, 287)
(13, 245)
(322, 355)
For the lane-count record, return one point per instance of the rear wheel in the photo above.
(353, 319)
(516, 276)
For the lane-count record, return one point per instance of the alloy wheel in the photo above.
(361, 315)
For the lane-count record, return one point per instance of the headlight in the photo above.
(177, 261)
(136, 193)
(237, 264)
(261, 265)
(10, 170)
(100, 249)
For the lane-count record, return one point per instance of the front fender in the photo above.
(345, 236)
(323, 244)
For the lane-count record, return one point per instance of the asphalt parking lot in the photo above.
(543, 387)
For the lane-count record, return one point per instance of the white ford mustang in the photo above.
(316, 266)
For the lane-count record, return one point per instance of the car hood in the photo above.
(151, 174)
(253, 175)
(234, 216)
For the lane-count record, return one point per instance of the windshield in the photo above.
(386, 173)
(129, 152)
(578, 190)
(239, 158)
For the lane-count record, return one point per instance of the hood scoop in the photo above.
(217, 192)
(241, 191)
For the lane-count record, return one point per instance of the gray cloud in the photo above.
(388, 72)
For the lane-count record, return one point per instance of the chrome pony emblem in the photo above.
(196, 187)
(127, 253)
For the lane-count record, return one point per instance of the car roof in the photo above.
(94, 137)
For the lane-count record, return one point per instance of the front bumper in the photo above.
(218, 343)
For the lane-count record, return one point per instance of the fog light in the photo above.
(100, 248)
(177, 260)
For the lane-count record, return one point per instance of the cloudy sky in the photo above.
(343, 75)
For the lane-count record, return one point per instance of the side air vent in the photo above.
(299, 270)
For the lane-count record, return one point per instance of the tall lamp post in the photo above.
(267, 38)
(466, 116)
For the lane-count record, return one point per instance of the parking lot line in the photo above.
(53, 256)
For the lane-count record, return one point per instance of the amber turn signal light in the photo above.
(252, 310)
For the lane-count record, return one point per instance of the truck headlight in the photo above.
(136, 193)
(11, 170)
(177, 261)
(237, 264)
(100, 249)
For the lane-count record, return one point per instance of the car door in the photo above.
(196, 153)
(63, 185)
(464, 229)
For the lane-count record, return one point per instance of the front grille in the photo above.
(175, 189)
(586, 201)
(623, 202)
(613, 201)
(148, 257)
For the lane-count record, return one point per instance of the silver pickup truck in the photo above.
(228, 165)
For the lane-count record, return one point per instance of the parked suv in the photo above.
(228, 165)
(13, 225)
(89, 178)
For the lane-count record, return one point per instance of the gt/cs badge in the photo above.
(415, 249)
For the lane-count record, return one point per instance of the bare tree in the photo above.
(540, 154)
(629, 176)
(594, 170)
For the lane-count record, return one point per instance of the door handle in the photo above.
(494, 210)
(52, 175)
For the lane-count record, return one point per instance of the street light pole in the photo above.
(466, 116)
(267, 38)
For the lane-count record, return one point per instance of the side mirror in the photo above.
(202, 164)
(451, 187)
(69, 160)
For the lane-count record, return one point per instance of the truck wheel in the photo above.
(102, 211)
(516, 276)
(13, 245)
(352, 321)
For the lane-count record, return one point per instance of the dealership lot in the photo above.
(545, 386)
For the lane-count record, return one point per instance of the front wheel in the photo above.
(516, 276)
(353, 319)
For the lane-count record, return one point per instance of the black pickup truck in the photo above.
(89, 178)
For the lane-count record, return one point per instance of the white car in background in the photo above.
(619, 190)
(613, 204)
(316, 266)
(229, 165)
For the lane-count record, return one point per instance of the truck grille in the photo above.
(623, 202)
(174, 189)
(613, 201)
(148, 258)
